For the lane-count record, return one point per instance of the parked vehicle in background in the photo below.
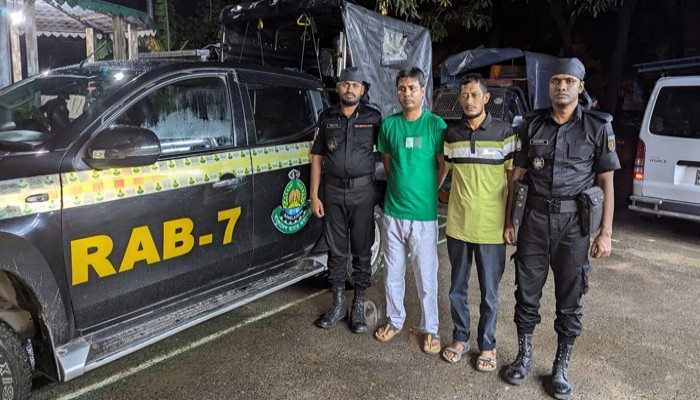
(667, 166)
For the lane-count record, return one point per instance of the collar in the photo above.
(335, 110)
(484, 125)
(576, 117)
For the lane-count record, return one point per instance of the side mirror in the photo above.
(121, 146)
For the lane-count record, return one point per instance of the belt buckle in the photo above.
(346, 183)
(553, 205)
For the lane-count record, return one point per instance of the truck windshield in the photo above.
(38, 108)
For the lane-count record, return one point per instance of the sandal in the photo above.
(490, 363)
(386, 333)
(429, 343)
(456, 353)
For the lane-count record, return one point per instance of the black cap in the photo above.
(352, 74)
(568, 66)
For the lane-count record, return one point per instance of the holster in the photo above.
(591, 203)
(519, 201)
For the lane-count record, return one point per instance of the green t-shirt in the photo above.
(411, 191)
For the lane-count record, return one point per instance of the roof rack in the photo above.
(200, 54)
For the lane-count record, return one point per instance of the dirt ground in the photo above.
(641, 340)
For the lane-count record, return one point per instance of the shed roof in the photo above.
(69, 18)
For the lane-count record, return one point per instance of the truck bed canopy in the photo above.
(537, 65)
(306, 35)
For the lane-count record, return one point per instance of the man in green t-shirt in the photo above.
(479, 151)
(411, 143)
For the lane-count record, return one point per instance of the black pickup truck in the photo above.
(140, 198)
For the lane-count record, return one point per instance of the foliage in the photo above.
(440, 15)
(104, 50)
(165, 23)
(591, 7)
(203, 28)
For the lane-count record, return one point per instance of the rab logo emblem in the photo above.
(611, 142)
(332, 145)
(294, 212)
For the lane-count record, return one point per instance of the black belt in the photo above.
(349, 182)
(552, 206)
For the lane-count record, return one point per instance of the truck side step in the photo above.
(101, 347)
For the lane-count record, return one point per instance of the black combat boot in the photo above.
(562, 388)
(357, 315)
(519, 369)
(337, 312)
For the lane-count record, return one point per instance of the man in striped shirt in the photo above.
(479, 151)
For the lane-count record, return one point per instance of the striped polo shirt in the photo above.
(479, 161)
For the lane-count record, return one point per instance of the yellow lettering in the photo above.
(177, 237)
(92, 251)
(231, 215)
(140, 248)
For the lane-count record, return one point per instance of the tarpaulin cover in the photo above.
(378, 45)
(536, 64)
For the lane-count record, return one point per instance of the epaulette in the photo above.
(533, 113)
(371, 106)
(599, 114)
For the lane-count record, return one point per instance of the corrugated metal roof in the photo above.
(69, 18)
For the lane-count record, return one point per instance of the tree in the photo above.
(565, 14)
(439, 15)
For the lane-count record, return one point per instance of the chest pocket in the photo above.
(363, 137)
(540, 150)
(579, 151)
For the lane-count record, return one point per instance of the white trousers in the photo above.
(399, 237)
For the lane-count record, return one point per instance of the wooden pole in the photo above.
(90, 43)
(30, 39)
(16, 53)
(5, 71)
(118, 38)
(133, 42)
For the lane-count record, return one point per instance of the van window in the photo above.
(186, 115)
(280, 112)
(676, 112)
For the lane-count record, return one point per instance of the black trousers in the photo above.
(554, 240)
(349, 219)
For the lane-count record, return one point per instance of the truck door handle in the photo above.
(37, 198)
(228, 180)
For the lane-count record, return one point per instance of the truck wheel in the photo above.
(15, 370)
(376, 259)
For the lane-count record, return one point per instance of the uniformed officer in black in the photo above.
(561, 151)
(343, 152)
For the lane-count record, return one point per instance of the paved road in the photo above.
(641, 340)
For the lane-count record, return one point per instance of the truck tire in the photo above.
(377, 259)
(15, 370)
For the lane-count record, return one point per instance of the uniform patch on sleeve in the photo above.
(518, 144)
(611, 142)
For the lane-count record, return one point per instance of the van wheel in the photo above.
(15, 370)
(376, 258)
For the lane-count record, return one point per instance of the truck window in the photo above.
(186, 115)
(676, 112)
(280, 112)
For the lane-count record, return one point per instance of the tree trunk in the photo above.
(617, 58)
(564, 26)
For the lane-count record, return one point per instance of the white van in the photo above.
(667, 166)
